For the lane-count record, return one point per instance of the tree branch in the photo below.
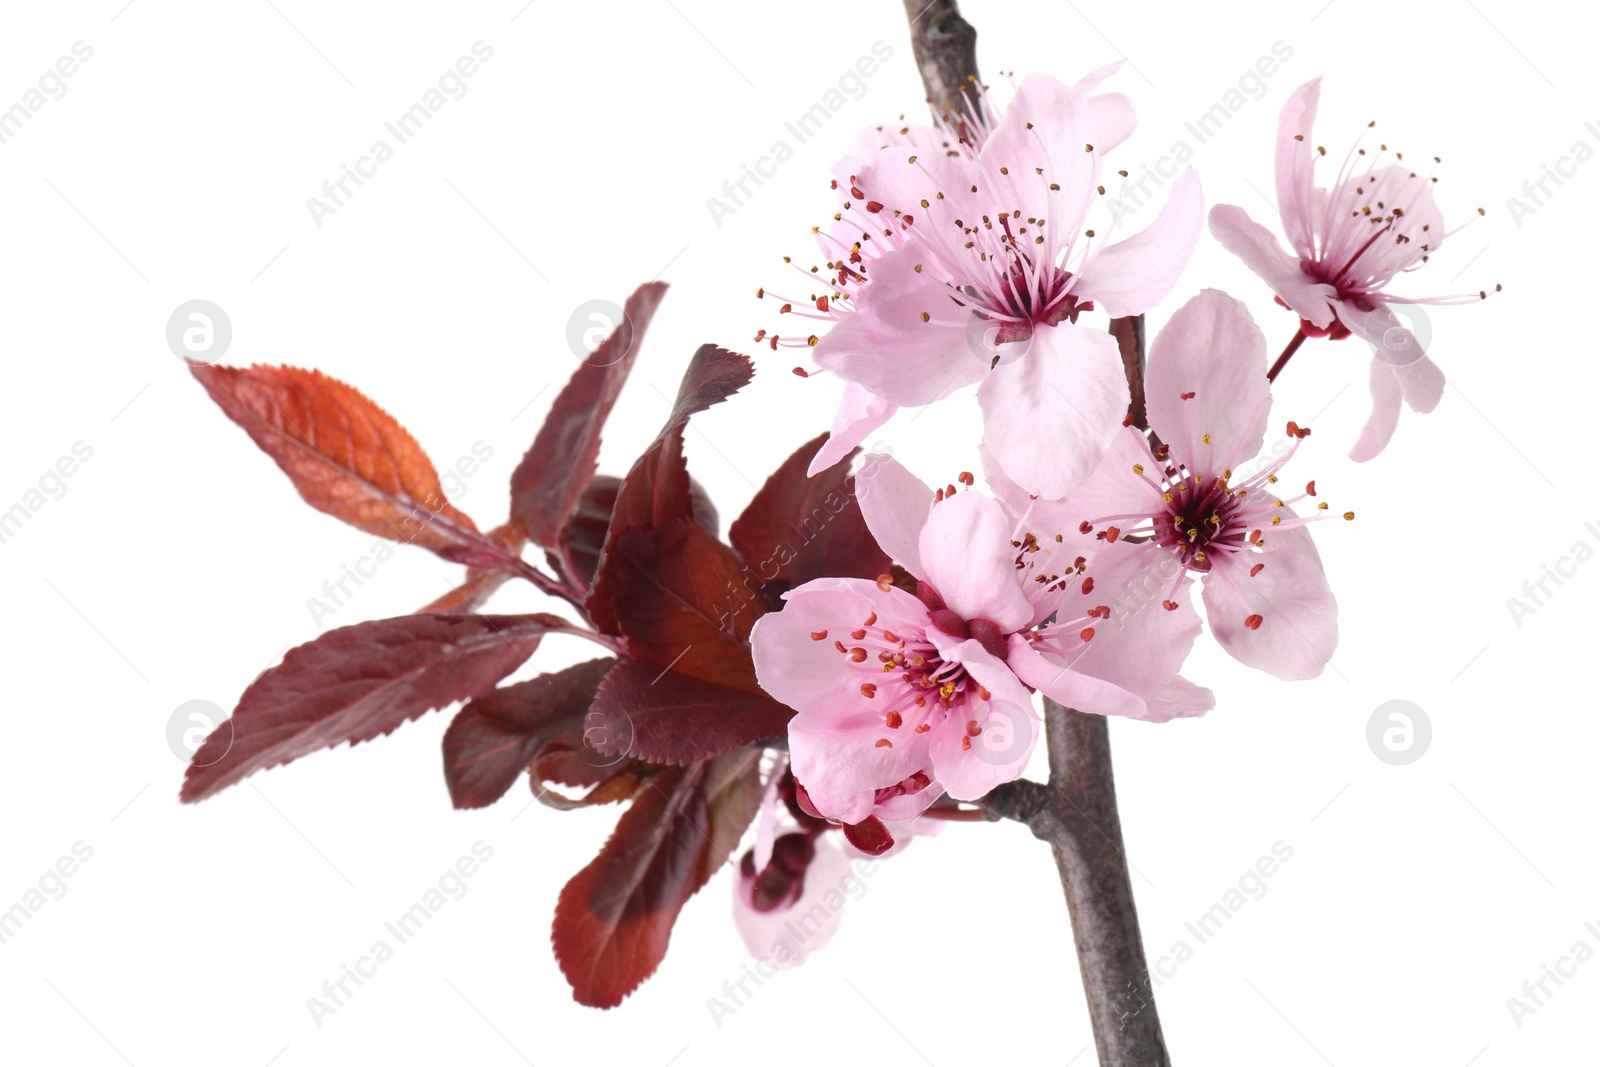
(1076, 813)
(945, 47)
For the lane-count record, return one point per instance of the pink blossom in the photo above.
(1188, 510)
(952, 264)
(901, 697)
(1378, 220)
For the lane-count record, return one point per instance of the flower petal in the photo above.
(1299, 624)
(970, 765)
(1294, 165)
(1133, 275)
(895, 504)
(1385, 412)
(1040, 140)
(1254, 243)
(887, 347)
(1049, 417)
(1050, 675)
(772, 937)
(1142, 644)
(965, 548)
(1212, 352)
(860, 413)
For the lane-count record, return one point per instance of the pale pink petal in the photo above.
(900, 812)
(966, 551)
(1385, 415)
(1179, 698)
(1050, 675)
(783, 938)
(1254, 244)
(1112, 489)
(886, 346)
(860, 413)
(970, 765)
(1299, 626)
(837, 758)
(1091, 81)
(895, 504)
(1296, 152)
(1133, 275)
(1142, 644)
(1041, 139)
(1212, 352)
(1422, 384)
(1049, 417)
(767, 820)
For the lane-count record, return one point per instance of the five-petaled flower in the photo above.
(951, 267)
(1185, 507)
(1377, 221)
(901, 697)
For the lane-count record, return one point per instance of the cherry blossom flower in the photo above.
(1350, 241)
(951, 267)
(901, 697)
(1188, 511)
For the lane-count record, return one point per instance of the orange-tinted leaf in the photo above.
(360, 682)
(547, 484)
(346, 456)
(481, 583)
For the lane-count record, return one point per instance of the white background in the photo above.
(179, 561)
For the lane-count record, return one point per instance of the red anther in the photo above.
(857, 193)
(883, 742)
(858, 655)
(949, 490)
(1185, 396)
(874, 206)
(893, 720)
(1084, 527)
(1253, 622)
(773, 341)
(822, 303)
(1256, 569)
(1112, 533)
(1311, 488)
(871, 619)
(800, 372)
(937, 497)
(1087, 633)
(869, 690)
(966, 478)
(1170, 605)
(786, 309)
(857, 635)
(885, 581)
(1088, 585)
(973, 729)
(1255, 535)
(819, 635)
(1297, 431)
(761, 335)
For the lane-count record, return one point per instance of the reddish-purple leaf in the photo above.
(667, 717)
(346, 456)
(798, 528)
(585, 534)
(361, 682)
(492, 739)
(614, 919)
(680, 599)
(552, 476)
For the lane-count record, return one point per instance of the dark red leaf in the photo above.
(681, 600)
(361, 682)
(666, 717)
(346, 456)
(798, 528)
(614, 919)
(869, 835)
(547, 484)
(492, 739)
(585, 534)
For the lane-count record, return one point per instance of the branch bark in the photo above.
(1076, 812)
(945, 47)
